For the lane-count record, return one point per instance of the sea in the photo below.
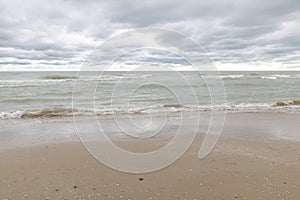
(54, 95)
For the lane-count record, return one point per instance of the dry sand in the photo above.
(235, 169)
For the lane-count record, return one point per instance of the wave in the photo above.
(59, 77)
(43, 113)
(112, 78)
(268, 77)
(278, 76)
(54, 112)
(66, 79)
(29, 83)
(224, 77)
(172, 106)
(252, 76)
(288, 105)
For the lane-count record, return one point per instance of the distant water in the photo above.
(49, 94)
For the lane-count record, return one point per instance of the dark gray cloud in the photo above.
(61, 33)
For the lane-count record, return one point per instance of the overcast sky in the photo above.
(237, 35)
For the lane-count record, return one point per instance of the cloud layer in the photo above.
(238, 35)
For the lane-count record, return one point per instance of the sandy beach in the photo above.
(235, 169)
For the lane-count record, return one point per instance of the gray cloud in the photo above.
(62, 33)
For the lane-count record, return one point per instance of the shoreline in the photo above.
(264, 126)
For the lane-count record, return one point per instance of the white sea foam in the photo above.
(288, 106)
(232, 76)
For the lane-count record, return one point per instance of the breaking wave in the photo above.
(59, 77)
(43, 113)
(289, 105)
(252, 76)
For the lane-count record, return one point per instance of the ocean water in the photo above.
(54, 95)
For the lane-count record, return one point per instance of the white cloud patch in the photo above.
(238, 35)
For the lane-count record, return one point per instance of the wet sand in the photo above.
(235, 169)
